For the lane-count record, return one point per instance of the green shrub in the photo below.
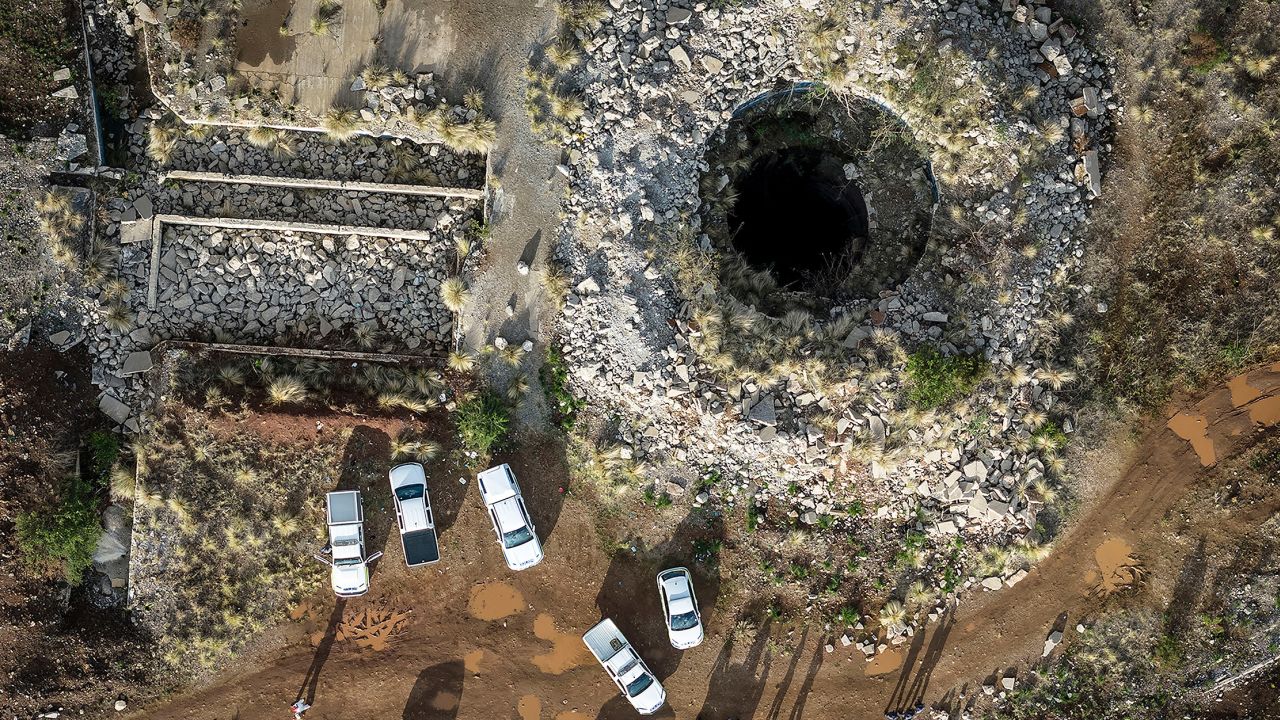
(934, 380)
(555, 381)
(104, 447)
(1049, 437)
(483, 420)
(62, 536)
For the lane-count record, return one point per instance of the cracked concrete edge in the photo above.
(321, 184)
(159, 221)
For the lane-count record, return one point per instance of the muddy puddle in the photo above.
(1242, 393)
(471, 661)
(445, 701)
(567, 650)
(1266, 411)
(1117, 568)
(260, 37)
(529, 707)
(1194, 429)
(886, 662)
(494, 601)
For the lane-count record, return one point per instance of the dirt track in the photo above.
(445, 662)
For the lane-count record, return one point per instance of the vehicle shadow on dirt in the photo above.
(629, 594)
(437, 693)
(543, 473)
(365, 461)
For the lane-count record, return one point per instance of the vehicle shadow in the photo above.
(734, 689)
(447, 494)
(629, 594)
(543, 473)
(307, 691)
(364, 467)
(437, 693)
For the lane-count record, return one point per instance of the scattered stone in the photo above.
(114, 409)
(681, 58)
(1051, 642)
(68, 92)
(137, 362)
(62, 75)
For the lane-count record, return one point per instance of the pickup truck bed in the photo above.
(420, 547)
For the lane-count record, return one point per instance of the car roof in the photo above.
(408, 474)
(509, 515)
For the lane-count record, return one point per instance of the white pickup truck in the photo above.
(413, 515)
(510, 518)
(349, 566)
(638, 684)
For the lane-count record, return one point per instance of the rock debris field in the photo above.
(1016, 155)
(256, 244)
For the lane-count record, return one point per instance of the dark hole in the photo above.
(797, 216)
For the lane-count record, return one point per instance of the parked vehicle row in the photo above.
(521, 549)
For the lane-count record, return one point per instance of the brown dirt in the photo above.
(500, 667)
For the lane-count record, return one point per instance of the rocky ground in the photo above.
(660, 82)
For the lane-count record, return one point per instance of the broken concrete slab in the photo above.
(114, 409)
(137, 362)
(764, 412)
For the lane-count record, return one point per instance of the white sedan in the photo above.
(516, 534)
(680, 605)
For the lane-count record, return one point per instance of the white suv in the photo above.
(510, 518)
(680, 607)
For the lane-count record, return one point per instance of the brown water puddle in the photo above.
(259, 36)
(471, 661)
(1266, 411)
(1117, 568)
(529, 707)
(1194, 429)
(494, 601)
(886, 662)
(1242, 393)
(567, 651)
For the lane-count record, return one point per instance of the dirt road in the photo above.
(467, 639)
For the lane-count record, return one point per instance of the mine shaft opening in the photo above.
(798, 216)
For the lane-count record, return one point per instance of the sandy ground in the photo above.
(469, 639)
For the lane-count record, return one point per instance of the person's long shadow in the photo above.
(910, 688)
(312, 679)
(734, 689)
(802, 696)
(437, 693)
(775, 708)
(897, 700)
(629, 594)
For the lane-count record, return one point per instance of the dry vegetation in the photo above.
(1188, 237)
(225, 524)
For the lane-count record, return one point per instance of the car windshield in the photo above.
(639, 685)
(409, 492)
(684, 621)
(517, 537)
(347, 562)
